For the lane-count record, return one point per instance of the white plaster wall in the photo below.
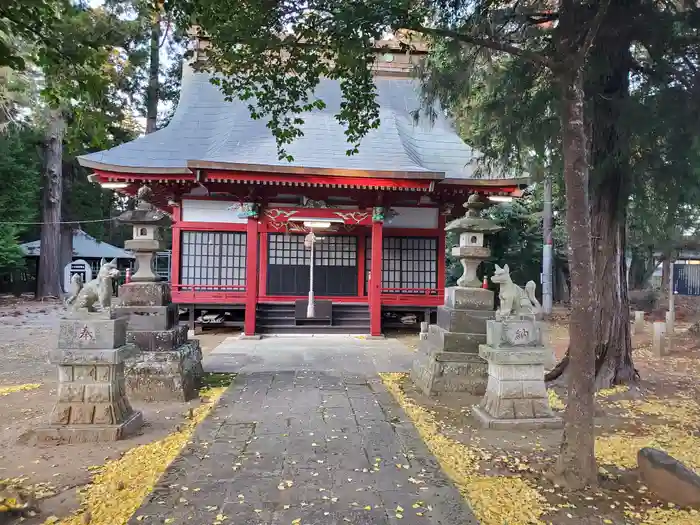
(195, 210)
(414, 218)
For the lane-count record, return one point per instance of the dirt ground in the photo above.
(661, 411)
(27, 334)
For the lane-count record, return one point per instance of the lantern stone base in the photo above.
(516, 395)
(166, 375)
(448, 359)
(92, 404)
(145, 294)
(436, 372)
(68, 435)
(168, 366)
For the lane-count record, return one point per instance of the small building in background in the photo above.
(85, 248)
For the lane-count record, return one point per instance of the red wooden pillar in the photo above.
(375, 283)
(251, 276)
(441, 262)
(361, 257)
(175, 252)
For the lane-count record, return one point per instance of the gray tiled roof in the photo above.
(84, 246)
(208, 128)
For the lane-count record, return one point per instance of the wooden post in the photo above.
(659, 339)
(638, 326)
(441, 263)
(375, 284)
(251, 276)
(175, 255)
(671, 294)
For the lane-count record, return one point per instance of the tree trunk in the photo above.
(607, 89)
(49, 279)
(153, 72)
(641, 269)
(576, 467)
(666, 269)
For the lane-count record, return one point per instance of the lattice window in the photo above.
(213, 258)
(287, 250)
(409, 264)
(330, 251)
(338, 250)
(335, 265)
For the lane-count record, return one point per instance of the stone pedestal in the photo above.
(168, 366)
(92, 404)
(516, 396)
(448, 359)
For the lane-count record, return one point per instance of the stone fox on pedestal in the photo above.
(514, 300)
(99, 290)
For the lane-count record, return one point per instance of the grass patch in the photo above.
(212, 380)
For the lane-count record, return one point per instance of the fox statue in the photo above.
(514, 300)
(98, 291)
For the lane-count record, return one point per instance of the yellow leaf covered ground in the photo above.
(6, 390)
(135, 473)
(494, 499)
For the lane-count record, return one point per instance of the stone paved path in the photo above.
(335, 354)
(304, 448)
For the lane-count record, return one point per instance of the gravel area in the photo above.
(27, 334)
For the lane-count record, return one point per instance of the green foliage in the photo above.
(20, 169)
(90, 63)
(518, 244)
(28, 21)
(138, 15)
(504, 107)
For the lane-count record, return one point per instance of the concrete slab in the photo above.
(332, 354)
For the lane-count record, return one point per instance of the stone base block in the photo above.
(460, 298)
(148, 317)
(516, 396)
(511, 333)
(243, 337)
(455, 341)
(158, 340)
(172, 375)
(145, 294)
(467, 321)
(91, 333)
(97, 357)
(71, 434)
(535, 423)
(436, 372)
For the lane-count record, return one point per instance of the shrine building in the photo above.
(241, 215)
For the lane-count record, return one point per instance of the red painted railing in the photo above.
(412, 291)
(210, 287)
(208, 293)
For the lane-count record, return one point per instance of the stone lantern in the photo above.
(147, 222)
(448, 357)
(169, 366)
(471, 250)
